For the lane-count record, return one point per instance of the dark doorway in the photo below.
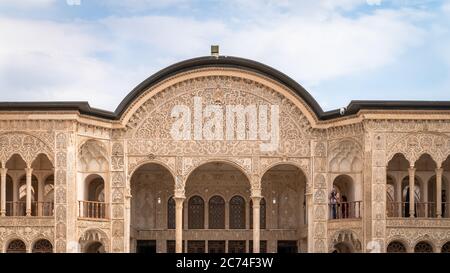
(287, 247)
(171, 246)
(236, 246)
(216, 246)
(146, 246)
(196, 247)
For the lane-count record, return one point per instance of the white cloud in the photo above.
(73, 2)
(314, 51)
(26, 3)
(101, 61)
(42, 60)
(139, 5)
(374, 2)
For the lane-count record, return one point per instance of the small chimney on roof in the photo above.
(215, 51)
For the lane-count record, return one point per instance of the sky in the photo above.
(338, 50)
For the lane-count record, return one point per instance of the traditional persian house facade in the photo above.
(78, 179)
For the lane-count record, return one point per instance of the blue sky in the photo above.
(339, 50)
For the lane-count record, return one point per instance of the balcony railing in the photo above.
(345, 210)
(425, 210)
(421, 209)
(92, 209)
(19, 208)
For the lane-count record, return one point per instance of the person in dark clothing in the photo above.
(407, 204)
(333, 203)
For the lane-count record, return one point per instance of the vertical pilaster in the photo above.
(61, 208)
(317, 197)
(377, 239)
(119, 202)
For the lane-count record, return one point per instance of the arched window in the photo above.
(423, 247)
(396, 247)
(94, 205)
(446, 248)
(216, 212)
(171, 213)
(16, 246)
(196, 213)
(96, 190)
(42, 246)
(262, 214)
(95, 247)
(237, 213)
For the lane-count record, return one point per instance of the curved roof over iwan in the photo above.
(227, 62)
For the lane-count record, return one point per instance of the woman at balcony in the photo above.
(333, 203)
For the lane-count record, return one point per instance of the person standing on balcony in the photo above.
(333, 203)
(407, 204)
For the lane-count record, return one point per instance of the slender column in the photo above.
(256, 223)
(227, 214)
(412, 173)
(424, 198)
(40, 196)
(439, 192)
(29, 172)
(398, 195)
(15, 195)
(179, 224)
(3, 192)
(447, 195)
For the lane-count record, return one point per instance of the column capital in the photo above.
(3, 171)
(255, 192)
(256, 198)
(29, 171)
(439, 171)
(179, 198)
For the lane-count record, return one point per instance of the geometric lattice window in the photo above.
(423, 247)
(171, 213)
(16, 246)
(396, 247)
(237, 213)
(446, 248)
(262, 214)
(216, 212)
(43, 246)
(196, 213)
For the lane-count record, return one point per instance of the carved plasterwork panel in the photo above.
(94, 232)
(412, 146)
(27, 145)
(350, 237)
(151, 124)
(345, 156)
(28, 234)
